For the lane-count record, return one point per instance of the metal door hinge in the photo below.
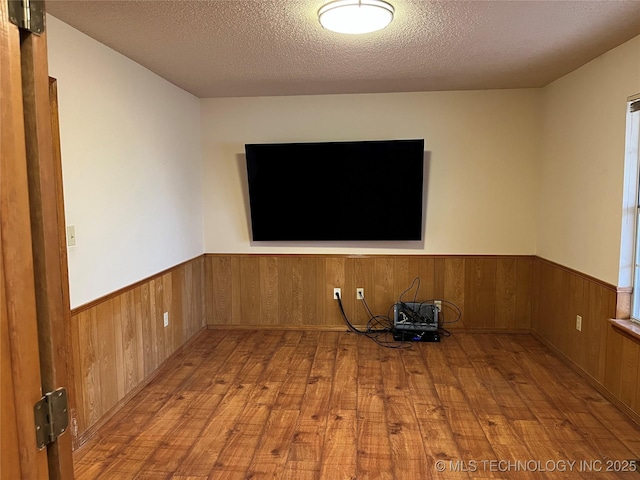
(27, 14)
(51, 417)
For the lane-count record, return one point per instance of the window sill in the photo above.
(627, 327)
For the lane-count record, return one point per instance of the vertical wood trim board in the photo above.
(20, 357)
(623, 302)
(120, 341)
(493, 292)
(606, 356)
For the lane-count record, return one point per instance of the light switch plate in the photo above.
(71, 235)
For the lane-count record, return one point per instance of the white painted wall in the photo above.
(131, 158)
(483, 153)
(582, 163)
(536, 171)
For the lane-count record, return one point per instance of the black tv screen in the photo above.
(367, 190)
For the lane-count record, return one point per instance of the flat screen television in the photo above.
(336, 191)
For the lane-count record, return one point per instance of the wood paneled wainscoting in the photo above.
(605, 355)
(493, 292)
(119, 341)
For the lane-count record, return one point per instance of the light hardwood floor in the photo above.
(331, 405)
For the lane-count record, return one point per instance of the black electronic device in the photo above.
(336, 191)
(415, 336)
(415, 322)
(415, 316)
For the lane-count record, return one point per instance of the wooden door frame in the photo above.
(33, 312)
(64, 323)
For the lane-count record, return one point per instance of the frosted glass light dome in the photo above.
(355, 16)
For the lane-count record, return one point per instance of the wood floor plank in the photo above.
(229, 419)
(308, 437)
(242, 441)
(207, 446)
(339, 456)
(293, 389)
(407, 451)
(270, 456)
(437, 437)
(333, 405)
(374, 445)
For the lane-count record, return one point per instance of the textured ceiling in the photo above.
(222, 48)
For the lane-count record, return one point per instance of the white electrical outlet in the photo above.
(166, 319)
(578, 323)
(438, 304)
(359, 293)
(337, 293)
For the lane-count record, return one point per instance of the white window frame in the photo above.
(632, 172)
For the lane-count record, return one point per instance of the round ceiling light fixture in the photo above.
(355, 16)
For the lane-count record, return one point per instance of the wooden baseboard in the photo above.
(633, 415)
(94, 429)
(322, 328)
(493, 331)
(342, 328)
